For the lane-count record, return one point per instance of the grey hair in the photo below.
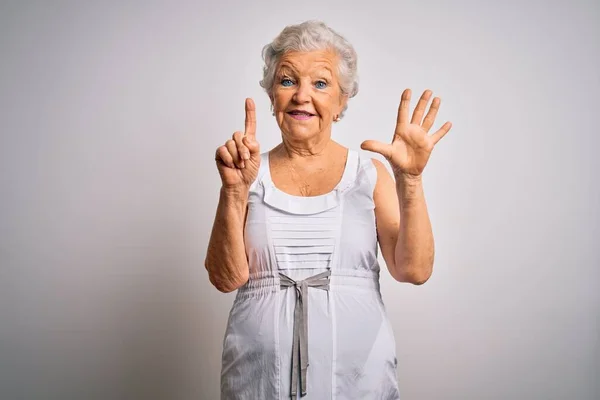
(311, 36)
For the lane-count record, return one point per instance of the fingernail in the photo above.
(242, 164)
(246, 156)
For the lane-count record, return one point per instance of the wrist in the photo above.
(408, 179)
(235, 192)
(409, 189)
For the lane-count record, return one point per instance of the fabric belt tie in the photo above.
(300, 344)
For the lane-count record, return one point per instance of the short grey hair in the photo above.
(311, 36)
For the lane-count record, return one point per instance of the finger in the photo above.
(421, 107)
(241, 147)
(437, 136)
(431, 114)
(232, 148)
(222, 155)
(382, 148)
(250, 125)
(403, 110)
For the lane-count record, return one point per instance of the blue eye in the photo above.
(321, 85)
(286, 82)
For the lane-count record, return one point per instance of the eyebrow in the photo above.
(286, 67)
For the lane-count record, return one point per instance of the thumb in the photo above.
(252, 145)
(384, 149)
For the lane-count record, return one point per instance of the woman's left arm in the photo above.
(403, 225)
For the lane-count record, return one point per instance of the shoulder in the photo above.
(381, 174)
(384, 186)
(380, 182)
(369, 163)
(379, 166)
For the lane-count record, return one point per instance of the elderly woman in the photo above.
(297, 228)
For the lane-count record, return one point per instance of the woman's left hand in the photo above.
(412, 145)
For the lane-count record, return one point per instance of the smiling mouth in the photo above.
(304, 113)
(300, 115)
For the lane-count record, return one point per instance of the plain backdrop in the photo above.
(110, 113)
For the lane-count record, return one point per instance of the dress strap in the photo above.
(350, 171)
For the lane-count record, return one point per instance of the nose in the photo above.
(302, 94)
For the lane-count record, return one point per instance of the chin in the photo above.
(297, 132)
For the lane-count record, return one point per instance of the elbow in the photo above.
(226, 288)
(227, 284)
(414, 275)
(419, 280)
(221, 286)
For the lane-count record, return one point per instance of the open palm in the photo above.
(411, 145)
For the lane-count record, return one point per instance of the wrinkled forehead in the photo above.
(308, 62)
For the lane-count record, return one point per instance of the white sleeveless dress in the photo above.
(310, 321)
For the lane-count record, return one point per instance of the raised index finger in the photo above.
(250, 129)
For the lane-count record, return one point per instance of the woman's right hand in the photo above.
(238, 160)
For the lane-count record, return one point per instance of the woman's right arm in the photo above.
(238, 162)
(226, 260)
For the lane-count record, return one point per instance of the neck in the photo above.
(312, 149)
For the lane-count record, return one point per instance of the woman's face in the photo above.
(306, 93)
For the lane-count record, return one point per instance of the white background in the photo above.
(110, 113)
